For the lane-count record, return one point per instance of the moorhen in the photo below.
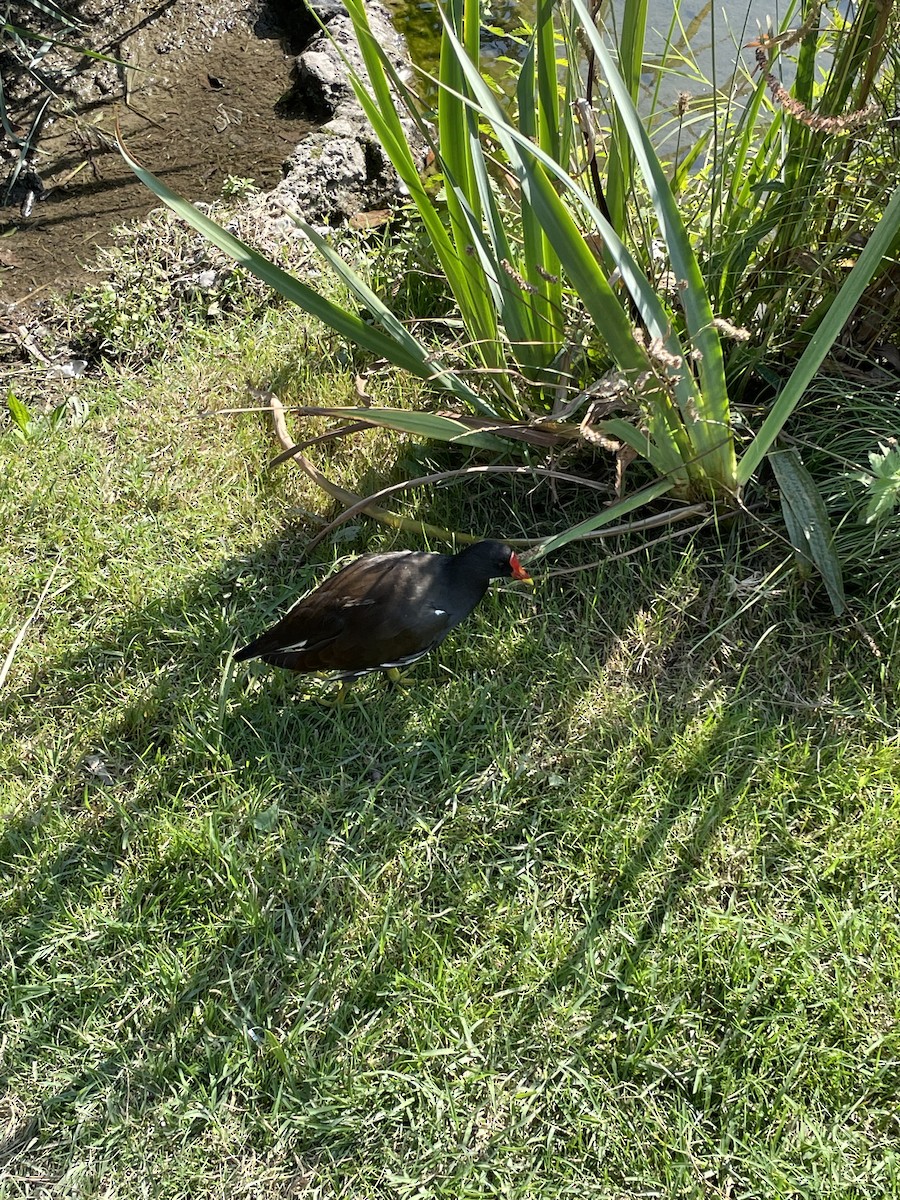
(383, 611)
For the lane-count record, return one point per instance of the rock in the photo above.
(333, 176)
(323, 85)
(341, 169)
(17, 190)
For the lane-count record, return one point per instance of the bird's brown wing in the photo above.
(386, 613)
(374, 640)
(322, 617)
(309, 625)
(290, 637)
(349, 622)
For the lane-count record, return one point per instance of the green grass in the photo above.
(605, 905)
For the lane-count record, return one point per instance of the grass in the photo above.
(605, 905)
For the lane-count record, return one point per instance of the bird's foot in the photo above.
(337, 699)
(399, 680)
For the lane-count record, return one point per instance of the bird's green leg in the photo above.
(397, 678)
(337, 701)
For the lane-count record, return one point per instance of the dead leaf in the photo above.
(94, 765)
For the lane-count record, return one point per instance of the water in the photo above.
(703, 45)
(202, 105)
(708, 37)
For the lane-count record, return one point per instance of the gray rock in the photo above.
(339, 170)
(323, 84)
(333, 176)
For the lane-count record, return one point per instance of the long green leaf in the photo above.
(568, 240)
(554, 137)
(491, 251)
(540, 265)
(46, 39)
(618, 427)
(444, 378)
(475, 216)
(455, 150)
(854, 285)
(18, 411)
(807, 521)
(621, 154)
(376, 94)
(408, 354)
(377, 97)
(419, 424)
(64, 18)
(531, 314)
(620, 508)
(548, 115)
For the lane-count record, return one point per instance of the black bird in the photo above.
(383, 611)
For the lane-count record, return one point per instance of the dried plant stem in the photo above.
(847, 122)
(361, 504)
(330, 436)
(19, 638)
(542, 433)
(367, 505)
(441, 476)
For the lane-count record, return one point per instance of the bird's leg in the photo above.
(397, 679)
(337, 701)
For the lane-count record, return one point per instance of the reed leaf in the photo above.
(407, 352)
(620, 508)
(869, 261)
(631, 64)
(807, 522)
(419, 424)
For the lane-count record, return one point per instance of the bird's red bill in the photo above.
(518, 570)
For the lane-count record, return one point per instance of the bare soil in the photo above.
(200, 92)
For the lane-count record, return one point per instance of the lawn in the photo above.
(606, 904)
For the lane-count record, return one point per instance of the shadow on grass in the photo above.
(238, 891)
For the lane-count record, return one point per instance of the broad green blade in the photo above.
(553, 135)
(568, 240)
(419, 424)
(379, 96)
(548, 115)
(618, 427)
(442, 376)
(620, 508)
(408, 354)
(807, 521)
(454, 152)
(18, 411)
(869, 261)
(511, 304)
(631, 64)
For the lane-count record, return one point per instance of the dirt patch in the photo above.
(197, 100)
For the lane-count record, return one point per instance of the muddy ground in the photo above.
(200, 92)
